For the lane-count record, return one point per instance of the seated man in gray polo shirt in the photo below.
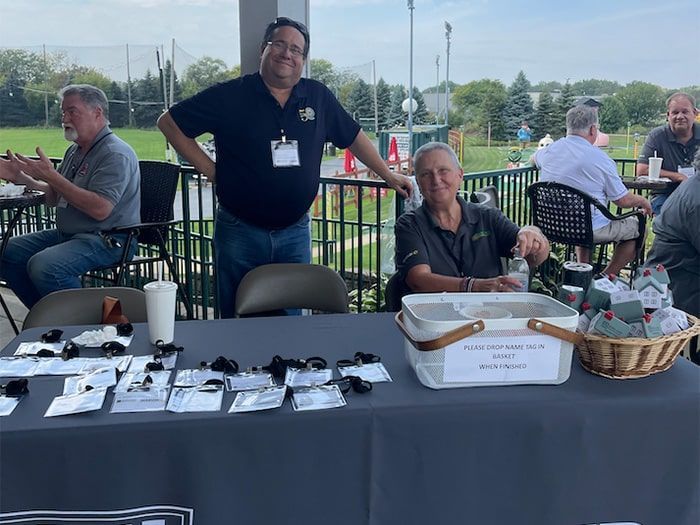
(95, 189)
(452, 245)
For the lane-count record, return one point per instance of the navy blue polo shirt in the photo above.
(244, 118)
(483, 237)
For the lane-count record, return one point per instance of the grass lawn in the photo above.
(148, 144)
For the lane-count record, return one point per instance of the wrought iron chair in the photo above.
(158, 188)
(84, 306)
(564, 215)
(274, 287)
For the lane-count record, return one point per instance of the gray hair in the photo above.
(696, 163)
(434, 146)
(90, 95)
(678, 95)
(579, 120)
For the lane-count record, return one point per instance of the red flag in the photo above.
(349, 161)
(393, 150)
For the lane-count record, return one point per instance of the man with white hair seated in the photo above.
(574, 161)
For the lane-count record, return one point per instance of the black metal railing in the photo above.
(352, 229)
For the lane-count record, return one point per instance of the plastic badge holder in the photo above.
(428, 317)
(261, 399)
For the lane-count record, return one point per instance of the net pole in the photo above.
(128, 89)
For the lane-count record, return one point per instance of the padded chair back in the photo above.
(562, 213)
(492, 192)
(394, 292)
(158, 188)
(84, 306)
(279, 286)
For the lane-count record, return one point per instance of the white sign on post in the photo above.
(502, 359)
(401, 144)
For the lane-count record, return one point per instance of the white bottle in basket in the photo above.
(520, 270)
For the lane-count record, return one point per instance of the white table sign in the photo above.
(506, 359)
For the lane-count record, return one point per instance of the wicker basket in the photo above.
(633, 357)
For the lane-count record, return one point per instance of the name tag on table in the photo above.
(507, 359)
(285, 154)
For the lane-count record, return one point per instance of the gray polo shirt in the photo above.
(675, 155)
(483, 237)
(677, 244)
(109, 168)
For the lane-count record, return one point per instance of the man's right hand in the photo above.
(10, 169)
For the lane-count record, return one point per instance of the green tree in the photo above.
(383, 103)
(361, 101)
(644, 102)
(480, 102)
(613, 115)
(549, 85)
(118, 107)
(441, 88)
(396, 114)
(564, 103)
(594, 86)
(545, 116)
(147, 100)
(322, 70)
(518, 105)
(420, 115)
(204, 73)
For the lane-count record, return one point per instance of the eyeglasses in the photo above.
(280, 46)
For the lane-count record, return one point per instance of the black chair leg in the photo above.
(6, 309)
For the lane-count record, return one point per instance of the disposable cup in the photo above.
(655, 167)
(160, 310)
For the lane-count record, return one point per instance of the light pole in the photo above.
(437, 91)
(410, 82)
(448, 33)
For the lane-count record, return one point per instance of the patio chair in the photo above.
(274, 287)
(84, 306)
(487, 196)
(158, 188)
(564, 215)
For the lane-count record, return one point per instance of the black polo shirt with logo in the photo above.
(662, 141)
(483, 237)
(244, 118)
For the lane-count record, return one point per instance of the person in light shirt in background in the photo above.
(676, 142)
(451, 245)
(574, 161)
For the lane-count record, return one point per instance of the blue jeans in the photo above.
(657, 201)
(239, 247)
(42, 262)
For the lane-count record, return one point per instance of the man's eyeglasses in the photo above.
(280, 46)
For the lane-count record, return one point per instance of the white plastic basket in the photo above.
(433, 322)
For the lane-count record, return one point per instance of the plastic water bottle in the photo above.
(520, 270)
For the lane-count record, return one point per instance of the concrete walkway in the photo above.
(18, 311)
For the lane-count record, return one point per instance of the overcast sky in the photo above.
(620, 40)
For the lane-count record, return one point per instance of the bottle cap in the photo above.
(609, 315)
(647, 272)
(571, 297)
(647, 318)
(585, 306)
(660, 268)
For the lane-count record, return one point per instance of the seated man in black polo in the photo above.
(452, 245)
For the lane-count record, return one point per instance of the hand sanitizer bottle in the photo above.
(520, 270)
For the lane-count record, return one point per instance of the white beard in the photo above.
(70, 134)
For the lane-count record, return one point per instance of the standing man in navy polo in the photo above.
(270, 129)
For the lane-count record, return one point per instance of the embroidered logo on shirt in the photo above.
(83, 170)
(481, 234)
(306, 114)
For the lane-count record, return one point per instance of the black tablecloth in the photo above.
(590, 450)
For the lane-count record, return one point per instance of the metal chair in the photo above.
(84, 306)
(159, 182)
(492, 192)
(290, 286)
(564, 215)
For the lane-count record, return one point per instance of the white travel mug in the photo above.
(160, 310)
(655, 167)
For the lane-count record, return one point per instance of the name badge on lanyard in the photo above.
(285, 153)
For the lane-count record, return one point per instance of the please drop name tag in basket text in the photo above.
(506, 359)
